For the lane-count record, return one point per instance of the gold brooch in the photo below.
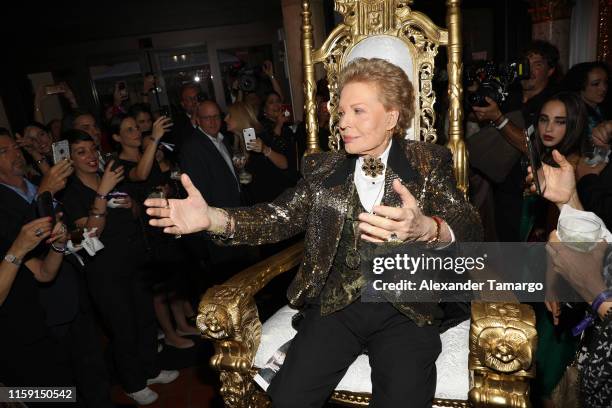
(372, 166)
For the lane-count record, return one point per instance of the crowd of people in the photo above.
(569, 116)
(99, 261)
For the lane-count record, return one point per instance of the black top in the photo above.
(268, 180)
(121, 225)
(139, 190)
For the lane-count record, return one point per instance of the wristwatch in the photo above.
(12, 259)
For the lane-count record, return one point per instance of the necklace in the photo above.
(353, 258)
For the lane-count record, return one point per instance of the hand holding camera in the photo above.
(255, 145)
(55, 179)
(488, 113)
(557, 184)
(112, 176)
(160, 127)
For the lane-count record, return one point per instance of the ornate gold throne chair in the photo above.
(486, 361)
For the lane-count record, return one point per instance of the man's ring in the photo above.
(177, 236)
(393, 238)
(38, 232)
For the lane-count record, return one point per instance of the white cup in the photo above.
(579, 233)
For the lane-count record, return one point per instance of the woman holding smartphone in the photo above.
(114, 274)
(267, 153)
(561, 124)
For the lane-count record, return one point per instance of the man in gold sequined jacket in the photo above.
(380, 189)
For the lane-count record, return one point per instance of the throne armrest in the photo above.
(503, 342)
(228, 314)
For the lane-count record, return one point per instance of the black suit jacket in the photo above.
(201, 160)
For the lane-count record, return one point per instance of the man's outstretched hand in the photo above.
(179, 217)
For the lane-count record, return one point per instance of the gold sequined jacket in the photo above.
(319, 202)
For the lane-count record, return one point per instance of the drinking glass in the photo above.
(579, 233)
(239, 159)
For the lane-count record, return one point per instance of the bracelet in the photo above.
(226, 232)
(590, 318)
(102, 196)
(439, 221)
(267, 151)
(59, 250)
(602, 297)
(94, 214)
(504, 123)
(498, 118)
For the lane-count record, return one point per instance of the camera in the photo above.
(493, 80)
(248, 77)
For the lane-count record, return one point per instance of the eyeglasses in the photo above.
(212, 117)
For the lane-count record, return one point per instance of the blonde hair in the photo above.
(395, 91)
(244, 116)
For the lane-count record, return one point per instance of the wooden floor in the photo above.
(196, 386)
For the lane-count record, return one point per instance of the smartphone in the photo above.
(165, 111)
(53, 89)
(61, 151)
(44, 206)
(535, 161)
(122, 87)
(249, 136)
(112, 156)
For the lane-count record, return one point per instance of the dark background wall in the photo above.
(67, 37)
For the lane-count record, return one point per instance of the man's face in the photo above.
(87, 124)
(209, 118)
(12, 162)
(189, 100)
(540, 72)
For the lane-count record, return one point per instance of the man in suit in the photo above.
(206, 156)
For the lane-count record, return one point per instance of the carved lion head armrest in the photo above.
(503, 338)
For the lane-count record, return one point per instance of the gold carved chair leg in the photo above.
(503, 342)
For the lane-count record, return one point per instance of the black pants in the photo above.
(125, 302)
(81, 343)
(402, 356)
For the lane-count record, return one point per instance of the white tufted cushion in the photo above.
(452, 363)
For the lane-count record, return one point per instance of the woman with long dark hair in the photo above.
(590, 81)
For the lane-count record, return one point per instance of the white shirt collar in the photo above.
(370, 189)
